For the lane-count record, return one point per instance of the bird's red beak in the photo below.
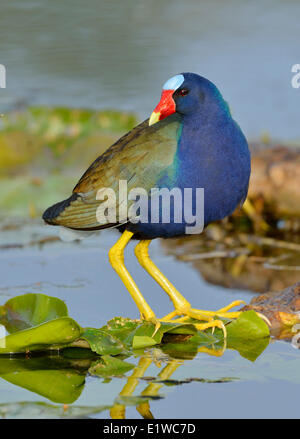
(165, 107)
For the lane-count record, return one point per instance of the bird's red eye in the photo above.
(183, 92)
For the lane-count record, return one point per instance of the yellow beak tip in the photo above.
(154, 118)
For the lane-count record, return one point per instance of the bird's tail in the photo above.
(51, 215)
(76, 212)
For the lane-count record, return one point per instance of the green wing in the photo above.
(141, 157)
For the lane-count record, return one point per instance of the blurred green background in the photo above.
(99, 56)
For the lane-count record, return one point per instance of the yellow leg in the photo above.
(212, 351)
(116, 258)
(181, 305)
(118, 410)
(141, 252)
(144, 410)
(153, 388)
(250, 211)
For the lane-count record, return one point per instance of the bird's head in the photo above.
(188, 93)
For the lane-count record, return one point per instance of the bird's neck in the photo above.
(199, 129)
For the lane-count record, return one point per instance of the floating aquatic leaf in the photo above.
(39, 322)
(28, 310)
(55, 379)
(102, 342)
(182, 329)
(54, 334)
(136, 334)
(110, 366)
(248, 326)
(147, 334)
(75, 353)
(122, 328)
(59, 386)
(250, 349)
(189, 347)
(33, 410)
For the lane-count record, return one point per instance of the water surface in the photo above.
(202, 386)
(118, 54)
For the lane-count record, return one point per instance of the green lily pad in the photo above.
(40, 322)
(28, 310)
(56, 379)
(75, 353)
(137, 335)
(248, 334)
(102, 342)
(146, 334)
(251, 349)
(189, 348)
(31, 410)
(248, 326)
(110, 366)
(123, 329)
(59, 386)
(54, 334)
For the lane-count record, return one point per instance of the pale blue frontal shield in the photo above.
(174, 83)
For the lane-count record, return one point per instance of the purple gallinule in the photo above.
(190, 141)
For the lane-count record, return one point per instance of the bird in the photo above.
(190, 141)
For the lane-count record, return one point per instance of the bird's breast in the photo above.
(219, 164)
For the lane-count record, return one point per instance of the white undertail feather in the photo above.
(68, 235)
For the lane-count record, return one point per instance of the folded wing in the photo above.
(141, 157)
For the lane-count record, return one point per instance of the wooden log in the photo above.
(275, 178)
(282, 309)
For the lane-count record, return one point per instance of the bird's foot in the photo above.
(209, 322)
(209, 319)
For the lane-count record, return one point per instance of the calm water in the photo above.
(81, 275)
(118, 54)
